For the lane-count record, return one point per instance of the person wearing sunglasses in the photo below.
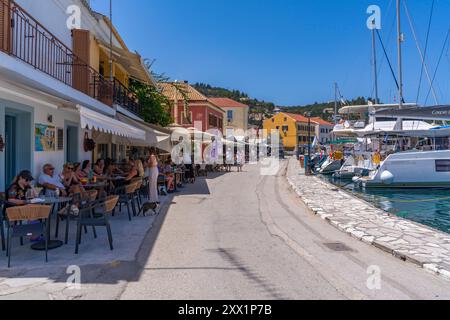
(21, 185)
(70, 179)
(51, 182)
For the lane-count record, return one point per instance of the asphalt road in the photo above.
(247, 236)
(240, 236)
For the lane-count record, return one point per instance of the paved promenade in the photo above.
(404, 239)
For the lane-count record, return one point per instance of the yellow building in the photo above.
(293, 129)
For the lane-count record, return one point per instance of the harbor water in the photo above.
(428, 207)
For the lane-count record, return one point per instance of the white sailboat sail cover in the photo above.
(94, 120)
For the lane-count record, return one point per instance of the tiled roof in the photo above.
(180, 90)
(322, 122)
(227, 103)
(297, 117)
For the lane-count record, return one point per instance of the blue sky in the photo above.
(286, 51)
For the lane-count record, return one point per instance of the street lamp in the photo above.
(308, 162)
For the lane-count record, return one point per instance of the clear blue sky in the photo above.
(286, 51)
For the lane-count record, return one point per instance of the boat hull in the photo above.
(412, 170)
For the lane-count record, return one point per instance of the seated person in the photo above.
(78, 172)
(168, 172)
(70, 179)
(17, 192)
(51, 183)
(133, 173)
(99, 168)
(85, 169)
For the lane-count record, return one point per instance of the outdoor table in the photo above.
(52, 244)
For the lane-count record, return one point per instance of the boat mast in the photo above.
(335, 104)
(375, 71)
(400, 39)
(400, 65)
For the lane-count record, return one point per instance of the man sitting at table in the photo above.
(51, 183)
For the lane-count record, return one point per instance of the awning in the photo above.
(95, 121)
(132, 62)
(154, 135)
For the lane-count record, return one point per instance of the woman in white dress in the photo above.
(153, 173)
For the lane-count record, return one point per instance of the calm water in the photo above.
(428, 207)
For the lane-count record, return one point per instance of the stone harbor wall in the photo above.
(404, 239)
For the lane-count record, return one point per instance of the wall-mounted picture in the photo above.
(45, 138)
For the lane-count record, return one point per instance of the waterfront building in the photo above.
(293, 129)
(237, 115)
(55, 88)
(189, 106)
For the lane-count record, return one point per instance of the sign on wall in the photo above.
(45, 138)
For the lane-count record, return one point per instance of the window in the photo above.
(114, 152)
(285, 119)
(213, 121)
(442, 165)
(285, 129)
(273, 120)
(102, 151)
(230, 115)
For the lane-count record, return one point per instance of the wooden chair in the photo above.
(102, 211)
(30, 213)
(127, 197)
(80, 200)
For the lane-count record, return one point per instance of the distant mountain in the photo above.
(260, 110)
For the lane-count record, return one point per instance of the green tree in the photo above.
(155, 106)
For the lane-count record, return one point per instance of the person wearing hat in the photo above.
(17, 192)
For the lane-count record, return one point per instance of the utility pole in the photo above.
(308, 163)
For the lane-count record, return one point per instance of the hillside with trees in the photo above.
(260, 110)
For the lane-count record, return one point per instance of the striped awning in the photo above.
(96, 121)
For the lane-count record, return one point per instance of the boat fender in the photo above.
(387, 178)
(356, 179)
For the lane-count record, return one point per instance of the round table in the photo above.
(52, 244)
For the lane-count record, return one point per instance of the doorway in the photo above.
(72, 138)
(10, 149)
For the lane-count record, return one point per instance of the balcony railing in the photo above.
(126, 98)
(25, 38)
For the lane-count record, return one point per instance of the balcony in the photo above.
(125, 98)
(24, 38)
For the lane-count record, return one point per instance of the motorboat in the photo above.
(411, 169)
(354, 168)
(330, 166)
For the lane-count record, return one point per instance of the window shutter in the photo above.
(60, 139)
(81, 48)
(5, 26)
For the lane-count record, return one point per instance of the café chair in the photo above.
(25, 214)
(102, 210)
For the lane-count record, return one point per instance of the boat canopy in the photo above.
(434, 113)
(416, 128)
(366, 108)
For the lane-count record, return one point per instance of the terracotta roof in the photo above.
(227, 103)
(297, 117)
(322, 122)
(174, 91)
